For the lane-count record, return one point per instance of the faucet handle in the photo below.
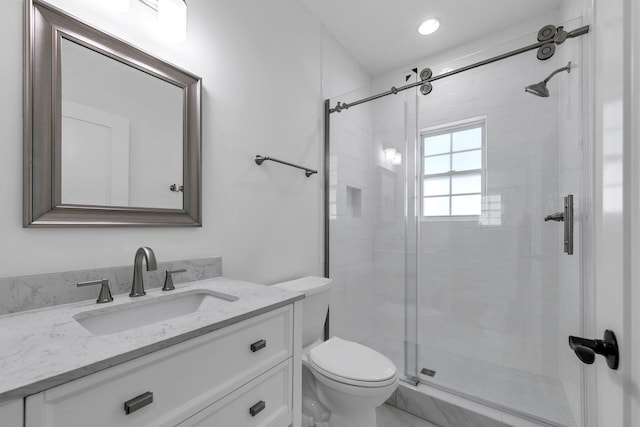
(168, 279)
(105, 291)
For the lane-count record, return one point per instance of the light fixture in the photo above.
(118, 5)
(172, 17)
(393, 156)
(429, 26)
(390, 153)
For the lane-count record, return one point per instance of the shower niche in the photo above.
(354, 202)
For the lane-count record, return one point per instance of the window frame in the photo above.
(449, 128)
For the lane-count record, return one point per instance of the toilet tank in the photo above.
(314, 306)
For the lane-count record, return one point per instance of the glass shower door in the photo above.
(373, 226)
(412, 236)
(498, 297)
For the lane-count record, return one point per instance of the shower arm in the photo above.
(394, 90)
(559, 70)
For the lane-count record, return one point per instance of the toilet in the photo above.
(342, 381)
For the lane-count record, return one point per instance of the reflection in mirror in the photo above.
(121, 133)
(112, 135)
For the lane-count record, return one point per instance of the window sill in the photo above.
(456, 218)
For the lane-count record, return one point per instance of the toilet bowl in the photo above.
(351, 381)
(348, 380)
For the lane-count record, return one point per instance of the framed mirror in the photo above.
(112, 134)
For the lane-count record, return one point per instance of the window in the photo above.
(452, 170)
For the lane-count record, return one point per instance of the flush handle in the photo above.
(257, 408)
(138, 402)
(258, 345)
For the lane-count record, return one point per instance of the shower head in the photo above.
(540, 89)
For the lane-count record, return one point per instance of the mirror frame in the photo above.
(45, 26)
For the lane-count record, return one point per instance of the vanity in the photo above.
(213, 352)
(112, 138)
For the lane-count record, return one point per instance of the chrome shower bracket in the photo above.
(567, 218)
(550, 36)
(427, 87)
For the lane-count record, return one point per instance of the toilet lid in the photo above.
(348, 361)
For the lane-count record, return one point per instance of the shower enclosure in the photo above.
(438, 248)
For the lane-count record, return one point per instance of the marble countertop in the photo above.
(43, 348)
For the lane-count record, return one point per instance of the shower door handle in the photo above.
(558, 216)
(568, 224)
(567, 218)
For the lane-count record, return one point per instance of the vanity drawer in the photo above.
(183, 379)
(264, 402)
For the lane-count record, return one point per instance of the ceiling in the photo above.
(382, 34)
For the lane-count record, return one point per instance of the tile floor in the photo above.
(388, 416)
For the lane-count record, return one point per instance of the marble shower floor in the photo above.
(512, 390)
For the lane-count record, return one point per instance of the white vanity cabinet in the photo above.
(267, 398)
(11, 413)
(241, 375)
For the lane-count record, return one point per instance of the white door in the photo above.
(614, 395)
(94, 156)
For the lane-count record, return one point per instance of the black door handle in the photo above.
(587, 349)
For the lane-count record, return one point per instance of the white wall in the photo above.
(616, 49)
(615, 83)
(634, 301)
(261, 65)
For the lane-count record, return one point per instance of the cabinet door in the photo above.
(264, 402)
(11, 413)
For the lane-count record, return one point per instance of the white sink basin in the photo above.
(120, 318)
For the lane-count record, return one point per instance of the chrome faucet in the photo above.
(137, 286)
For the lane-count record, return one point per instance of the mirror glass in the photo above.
(122, 133)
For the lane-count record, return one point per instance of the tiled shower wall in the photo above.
(351, 220)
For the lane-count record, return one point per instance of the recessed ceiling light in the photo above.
(429, 26)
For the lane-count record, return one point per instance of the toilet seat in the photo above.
(351, 363)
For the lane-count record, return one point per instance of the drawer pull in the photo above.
(257, 408)
(258, 345)
(138, 402)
